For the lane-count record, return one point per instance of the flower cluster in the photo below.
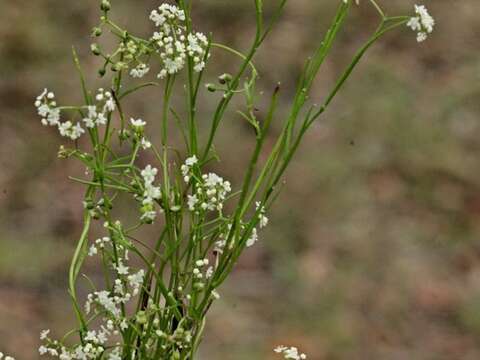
(253, 238)
(422, 23)
(210, 194)
(211, 189)
(139, 71)
(50, 114)
(67, 129)
(198, 275)
(173, 43)
(99, 244)
(187, 168)
(94, 345)
(263, 219)
(97, 114)
(110, 304)
(47, 108)
(151, 193)
(290, 352)
(6, 357)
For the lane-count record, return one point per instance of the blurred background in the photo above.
(373, 248)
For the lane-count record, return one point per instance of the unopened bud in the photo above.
(225, 78)
(105, 5)
(141, 318)
(198, 286)
(95, 49)
(211, 87)
(118, 66)
(96, 31)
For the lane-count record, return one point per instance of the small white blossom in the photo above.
(92, 251)
(67, 129)
(121, 268)
(140, 71)
(44, 334)
(263, 219)
(139, 123)
(149, 174)
(422, 23)
(145, 144)
(290, 352)
(192, 201)
(252, 240)
(136, 281)
(46, 108)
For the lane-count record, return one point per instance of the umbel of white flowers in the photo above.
(423, 23)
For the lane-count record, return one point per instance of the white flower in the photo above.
(192, 201)
(253, 238)
(422, 23)
(139, 123)
(136, 281)
(67, 129)
(95, 118)
(421, 36)
(42, 350)
(149, 174)
(209, 272)
(140, 71)
(263, 219)
(290, 352)
(186, 168)
(110, 103)
(152, 192)
(44, 334)
(215, 294)
(121, 268)
(145, 144)
(47, 108)
(115, 355)
(191, 161)
(92, 251)
(149, 215)
(104, 299)
(6, 357)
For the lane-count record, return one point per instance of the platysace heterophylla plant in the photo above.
(158, 310)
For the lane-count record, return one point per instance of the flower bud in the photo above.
(95, 49)
(224, 78)
(141, 317)
(89, 205)
(96, 31)
(102, 72)
(118, 66)
(94, 214)
(211, 87)
(198, 286)
(124, 134)
(105, 5)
